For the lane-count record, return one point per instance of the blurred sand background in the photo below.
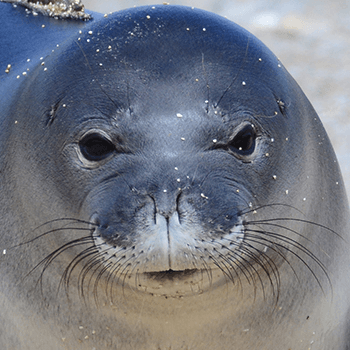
(312, 39)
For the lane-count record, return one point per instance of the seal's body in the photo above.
(166, 184)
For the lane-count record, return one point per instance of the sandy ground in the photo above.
(312, 39)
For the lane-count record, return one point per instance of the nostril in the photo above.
(166, 203)
(178, 205)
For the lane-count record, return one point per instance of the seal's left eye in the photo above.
(95, 147)
(244, 142)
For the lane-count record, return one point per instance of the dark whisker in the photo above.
(233, 257)
(275, 249)
(207, 269)
(103, 270)
(111, 275)
(49, 232)
(257, 259)
(217, 263)
(298, 220)
(75, 262)
(281, 227)
(53, 255)
(258, 239)
(252, 210)
(290, 241)
(230, 261)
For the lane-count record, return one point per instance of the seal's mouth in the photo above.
(170, 275)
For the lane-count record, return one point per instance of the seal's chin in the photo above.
(176, 284)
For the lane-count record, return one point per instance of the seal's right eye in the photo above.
(95, 147)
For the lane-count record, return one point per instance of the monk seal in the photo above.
(165, 184)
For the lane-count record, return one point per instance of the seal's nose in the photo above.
(166, 202)
(165, 184)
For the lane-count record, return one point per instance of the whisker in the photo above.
(257, 258)
(290, 241)
(229, 261)
(246, 264)
(53, 255)
(49, 232)
(297, 220)
(258, 239)
(86, 253)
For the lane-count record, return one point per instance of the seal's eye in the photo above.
(244, 142)
(95, 147)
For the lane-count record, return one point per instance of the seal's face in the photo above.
(164, 164)
(171, 144)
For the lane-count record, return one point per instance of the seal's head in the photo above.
(174, 134)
